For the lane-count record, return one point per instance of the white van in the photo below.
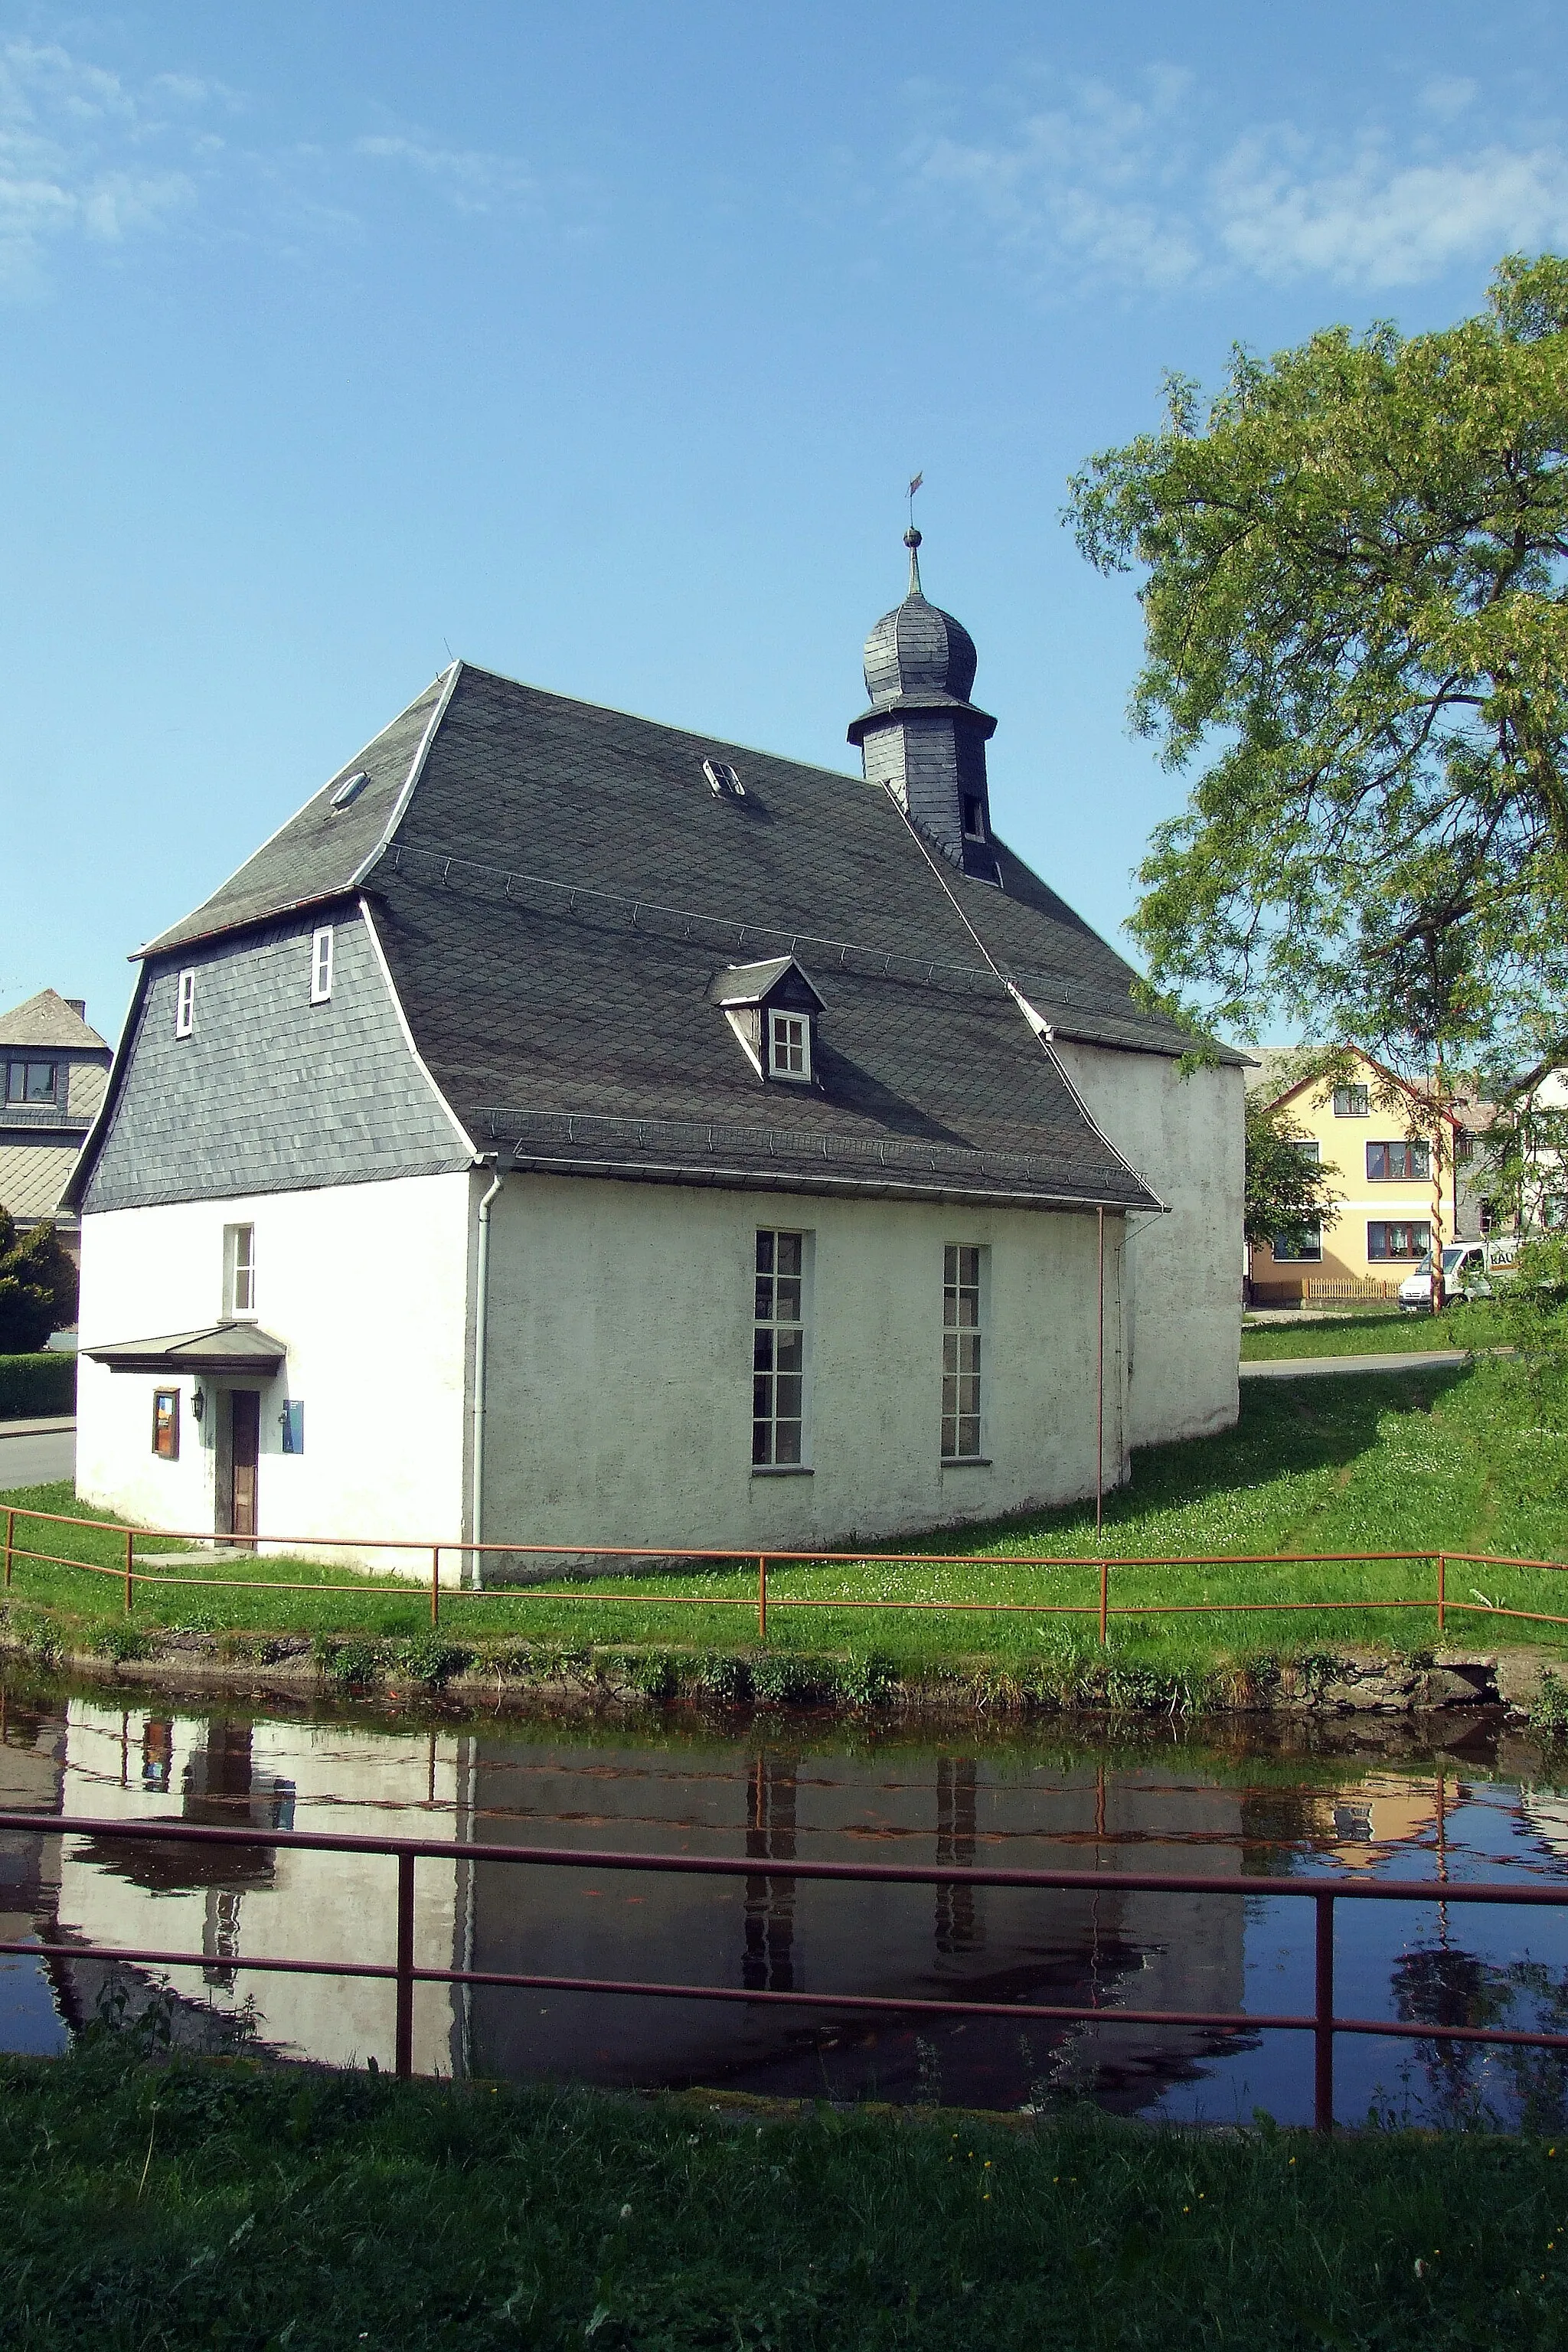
(1466, 1267)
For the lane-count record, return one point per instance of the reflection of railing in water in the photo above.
(1321, 2021)
(1440, 1601)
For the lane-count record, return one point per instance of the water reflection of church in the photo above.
(779, 1798)
(773, 1801)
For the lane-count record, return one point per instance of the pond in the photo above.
(1465, 1798)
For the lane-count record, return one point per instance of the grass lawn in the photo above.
(1442, 1457)
(229, 2203)
(1385, 1333)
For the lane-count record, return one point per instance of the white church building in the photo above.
(571, 1130)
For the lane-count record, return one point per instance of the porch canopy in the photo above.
(232, 1347)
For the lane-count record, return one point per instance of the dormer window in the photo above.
(974, 817)
(789, 1046)
(771, 1008)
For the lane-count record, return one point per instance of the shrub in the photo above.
(425, 1658)
(726, 1680)
(38, 1286)
(864, 1682)
(1549, 1710)
(120, 1642)
(36, 1387)
(776, 1678)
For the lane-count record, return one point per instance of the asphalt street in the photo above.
(36, 1457)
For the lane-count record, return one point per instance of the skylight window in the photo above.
(349, 789)
(722, 779)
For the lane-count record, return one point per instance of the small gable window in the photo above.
(186, 1004)
(322, 965)
(771, 1007)
(789, 1044)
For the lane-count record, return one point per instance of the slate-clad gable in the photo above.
(271, 1093)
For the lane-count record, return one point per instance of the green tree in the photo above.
(37, 1286)
(1356, 620)
(1289, 1196)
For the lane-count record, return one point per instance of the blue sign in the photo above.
(293, 1420)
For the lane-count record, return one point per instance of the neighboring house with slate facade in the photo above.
(53, 1073)
(569, 1130)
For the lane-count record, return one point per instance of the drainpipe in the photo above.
(481, 1325)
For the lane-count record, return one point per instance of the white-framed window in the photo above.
(238, 1270)
(186, 1004)
(322, 965)
(778, 1351)
(1352, 1102)
(789, 1046)
(964, 1270)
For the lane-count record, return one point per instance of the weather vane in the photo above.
(914, 485)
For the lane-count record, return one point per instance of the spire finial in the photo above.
(912, 539)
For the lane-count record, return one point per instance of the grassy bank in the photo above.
(1433, 1457)
(1365, 1334)
(226, 2203)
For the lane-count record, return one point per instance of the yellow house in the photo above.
(1388, 1193)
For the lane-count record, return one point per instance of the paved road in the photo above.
(34, 1455)
(1296, 1368)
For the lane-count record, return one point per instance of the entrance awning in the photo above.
(233, 1348)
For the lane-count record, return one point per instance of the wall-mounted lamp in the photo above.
(198, 1403)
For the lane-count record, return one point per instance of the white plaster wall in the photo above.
(367, 1285)
(620, 1354)
(1184, 1135)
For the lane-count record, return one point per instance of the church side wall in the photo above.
(1184, 1135)
(367, 1285)
(619, 1390)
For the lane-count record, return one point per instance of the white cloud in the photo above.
(1377, 222)
(474, 179)
(1140, 190)
(82, 154)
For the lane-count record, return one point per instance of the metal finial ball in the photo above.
(911, 537)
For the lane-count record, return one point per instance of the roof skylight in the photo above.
(349, 790)
(722, 779)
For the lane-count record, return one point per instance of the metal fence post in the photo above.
(403, 2061)
(130, 1572)
(10, 1539)
(1104, 1601)
(762, 1597)
(1442, 1588)
(434, 1584)
(1323, 2029)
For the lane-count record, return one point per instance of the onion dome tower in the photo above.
(922, 737)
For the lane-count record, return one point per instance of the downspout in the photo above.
(482, 1328)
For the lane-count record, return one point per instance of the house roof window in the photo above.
(722, 780)
(186, 1004)
(349, 791)
(974, 817)
(32, 1082)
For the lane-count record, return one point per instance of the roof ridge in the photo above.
(416, 770)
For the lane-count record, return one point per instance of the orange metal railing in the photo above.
(1440, 1602)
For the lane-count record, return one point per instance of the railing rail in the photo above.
(767, 1597)
(405, 1972)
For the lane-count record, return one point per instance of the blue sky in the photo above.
(596, 343)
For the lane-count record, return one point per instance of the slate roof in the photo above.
(48, 1019)
(33, 1175)
(557, 887)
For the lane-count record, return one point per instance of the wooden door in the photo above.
(245, 1444)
